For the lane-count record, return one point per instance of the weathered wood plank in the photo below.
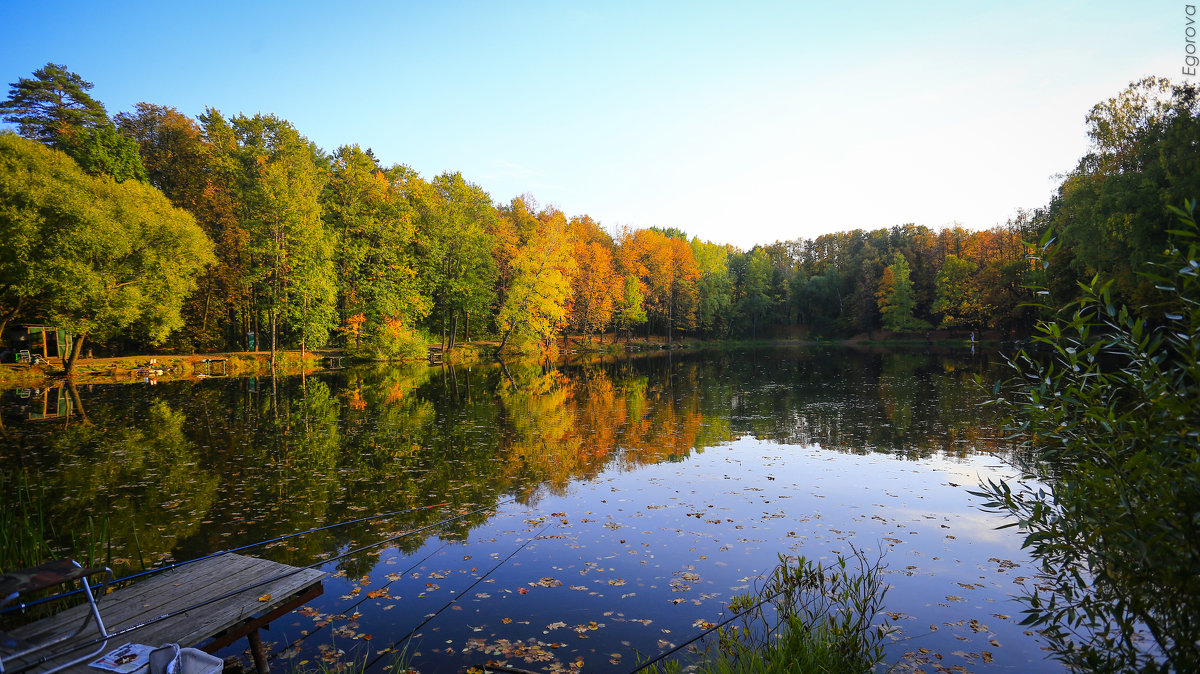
(171, 592)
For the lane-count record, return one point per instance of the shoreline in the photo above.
(143, 368)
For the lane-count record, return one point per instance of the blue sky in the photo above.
(741, 123)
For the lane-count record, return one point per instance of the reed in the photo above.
(805, 618)
(24, 527)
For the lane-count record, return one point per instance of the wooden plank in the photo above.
(233, 634)
(171, 592)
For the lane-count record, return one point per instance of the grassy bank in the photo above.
(161, 368)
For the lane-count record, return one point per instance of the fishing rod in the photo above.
(448, 604)
(22, 606)
(160, 618)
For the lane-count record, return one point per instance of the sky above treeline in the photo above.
(740, 123)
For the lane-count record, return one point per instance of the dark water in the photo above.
(603, 511)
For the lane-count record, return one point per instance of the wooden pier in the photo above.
(210, 627)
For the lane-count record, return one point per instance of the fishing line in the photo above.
(131, 628)
(707, 632)
(148, 572)
(358, 603)
(448, 604)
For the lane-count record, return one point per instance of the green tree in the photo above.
(959, 297)
(714, 288)
(895, 297)
(104, 150)
(454, 247)
(173, 152)
(753, 273)
(1108, 426)
(291, 251)
(98, 257)
(200, 175)
(630, 310)
(375, 230)
(55, 108)
(1107, 216)
(52, 106)
(819, 300)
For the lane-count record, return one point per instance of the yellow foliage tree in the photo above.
(543, 270)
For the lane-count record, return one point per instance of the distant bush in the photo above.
(390, 340)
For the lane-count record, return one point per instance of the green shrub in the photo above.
(1109, 426)
(390, 340)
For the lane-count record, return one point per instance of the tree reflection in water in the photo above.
(184, 469)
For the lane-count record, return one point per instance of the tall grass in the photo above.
(28, 534)
(806, 618)
(28, 538)
(24, 526)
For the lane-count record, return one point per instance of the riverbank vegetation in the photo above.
(237, 232)
(1109, 425)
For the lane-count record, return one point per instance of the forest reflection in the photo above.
(184, 469)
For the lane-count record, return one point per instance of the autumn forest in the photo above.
(151, 229)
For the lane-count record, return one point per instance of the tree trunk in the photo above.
(77, 401)
(76, 349)
(670, 321)
(9, 315)
(504, 340)
(443, 331)
(504, 369)
(204, 321)
(453, 329)
(303, 333)
(272, 341)
(466, 326)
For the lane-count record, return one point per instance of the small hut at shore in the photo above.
(47, 341)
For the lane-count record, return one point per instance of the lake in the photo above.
(584, 515)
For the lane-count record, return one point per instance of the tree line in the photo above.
(237, 232)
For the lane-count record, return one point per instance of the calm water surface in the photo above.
(604, 511)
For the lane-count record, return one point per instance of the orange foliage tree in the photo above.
(597, 286)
